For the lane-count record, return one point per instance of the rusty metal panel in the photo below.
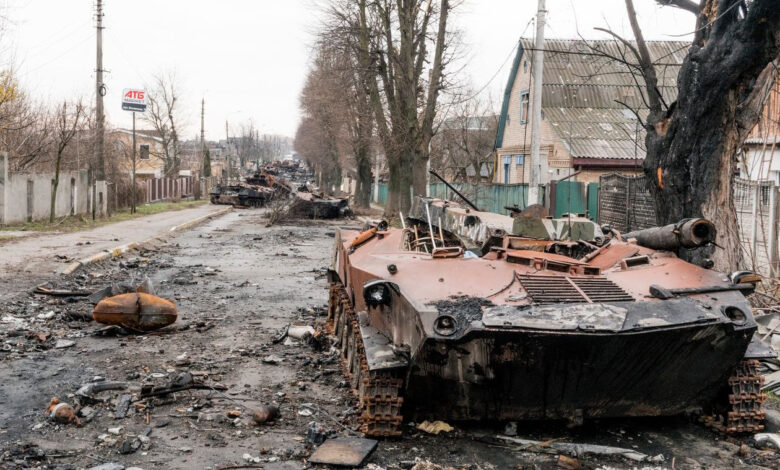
(588, 317)
(347, 451)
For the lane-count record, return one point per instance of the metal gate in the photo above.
(625, 203)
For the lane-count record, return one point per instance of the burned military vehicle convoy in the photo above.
(282, 180)
(469, 315)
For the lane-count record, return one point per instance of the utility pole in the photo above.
(227, 151)
(100, 91)
(536, 177)
(202, 133)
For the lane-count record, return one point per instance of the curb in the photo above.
(122, 249)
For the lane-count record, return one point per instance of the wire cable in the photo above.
(500, 68)
(708, 24)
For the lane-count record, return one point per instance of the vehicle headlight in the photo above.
(735, 314)
(376, 293)
(445, 325)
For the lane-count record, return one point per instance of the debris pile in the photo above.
(767, 315)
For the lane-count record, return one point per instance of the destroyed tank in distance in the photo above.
(241, 195)
(469, 315)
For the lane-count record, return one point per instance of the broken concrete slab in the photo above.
(578, 450)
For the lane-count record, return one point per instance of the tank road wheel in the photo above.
(379, 392)
(744, 403)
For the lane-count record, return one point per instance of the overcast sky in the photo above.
(248, 58)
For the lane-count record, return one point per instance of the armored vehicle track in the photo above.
(379, 392)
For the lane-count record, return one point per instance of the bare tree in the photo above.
(692, 142)
(395, 43)
(248, 147)
(25, 133)
(321, 131)
(24, 124)
(464, 141)
(163, 114)
(340, 37)
(67, 123)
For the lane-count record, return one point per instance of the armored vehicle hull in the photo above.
(312, 206)
(463, 321)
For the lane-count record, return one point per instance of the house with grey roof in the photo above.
(590, 105)
(759, 157)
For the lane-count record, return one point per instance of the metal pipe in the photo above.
(689, 233)
(454, 190)
(430, 225)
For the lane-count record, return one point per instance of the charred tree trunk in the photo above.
(692, 145)
(420, 172)
(363, 188)
(399, 184)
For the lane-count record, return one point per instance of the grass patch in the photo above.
(75, 223)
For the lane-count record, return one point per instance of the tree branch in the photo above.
(687, 5)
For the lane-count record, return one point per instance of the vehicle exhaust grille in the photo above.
(564, 289)
(599, 289)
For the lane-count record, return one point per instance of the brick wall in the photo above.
(517, 134)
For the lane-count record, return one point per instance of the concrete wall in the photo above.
(26, 197)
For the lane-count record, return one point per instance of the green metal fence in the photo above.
(569, 197)
(490, 197)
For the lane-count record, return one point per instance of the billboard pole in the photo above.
(134, 100)
(133, 189)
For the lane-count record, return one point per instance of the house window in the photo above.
(524, 107)
(144, 151)
(519, 160)
(507, 165)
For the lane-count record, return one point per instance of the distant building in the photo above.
(148, 148)
(587, 126)
(760, 156)
(462, 149)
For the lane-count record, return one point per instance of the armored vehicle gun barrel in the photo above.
(687, 233)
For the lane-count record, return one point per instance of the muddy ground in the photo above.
(237, 284)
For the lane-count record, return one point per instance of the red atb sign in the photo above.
(134, 100)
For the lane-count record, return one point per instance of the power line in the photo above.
(708, 24)
(500, 68)
(68, 31)
(59, 56)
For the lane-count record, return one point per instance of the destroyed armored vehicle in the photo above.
(469, 315)
(224, 194)
(314, 206)
(267, 178)
(241, 195)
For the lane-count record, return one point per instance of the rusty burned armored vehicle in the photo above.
(258, 189)
(469, 315)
